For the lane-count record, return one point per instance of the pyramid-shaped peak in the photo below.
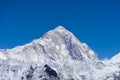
(67, 40)
(57, 32)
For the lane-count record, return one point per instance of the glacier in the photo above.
(63, 53)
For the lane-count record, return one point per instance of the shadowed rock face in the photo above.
(50, 71)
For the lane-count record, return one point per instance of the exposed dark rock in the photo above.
(50, 71)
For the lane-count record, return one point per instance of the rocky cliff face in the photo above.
(66, 56)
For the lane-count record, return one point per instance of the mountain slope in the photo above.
(68, 58)
(57, 43)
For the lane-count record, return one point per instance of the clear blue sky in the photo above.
(96, 22)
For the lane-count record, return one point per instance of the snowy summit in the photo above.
(58, 55)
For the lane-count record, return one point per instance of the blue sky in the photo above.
(96, 22)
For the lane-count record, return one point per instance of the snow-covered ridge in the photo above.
(63, 52)
(59, 39)
(115, 59)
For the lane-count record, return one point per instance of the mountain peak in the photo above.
(58, 43)
(67, 40)
(59, 27)
(64, 54)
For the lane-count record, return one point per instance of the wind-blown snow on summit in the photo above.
(61, 52)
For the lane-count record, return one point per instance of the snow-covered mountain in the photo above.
(65, 56)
